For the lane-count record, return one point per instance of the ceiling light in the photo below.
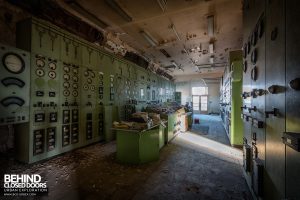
(92, 18)
(162, 4)
(211, 48)
(175, 31)
(114, 5)
(149, 38)
(210, 25)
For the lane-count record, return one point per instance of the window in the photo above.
(203, 103)
(199, 90)
(142, 93)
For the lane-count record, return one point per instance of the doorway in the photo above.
(200, 104)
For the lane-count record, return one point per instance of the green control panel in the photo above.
(76, 91)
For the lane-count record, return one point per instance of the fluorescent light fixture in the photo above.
(211, 59)
(114, 5)
(162, 4)
(211, 48)
(86, 14)
(210, 26)
(175, 31)
(149, 38)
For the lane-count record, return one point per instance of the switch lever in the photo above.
(274, 112)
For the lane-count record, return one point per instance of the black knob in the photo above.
(250, 109)
(295, 84)
(243, 107)
(274, 112)
(275, 89)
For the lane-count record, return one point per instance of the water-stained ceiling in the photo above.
(189, 38)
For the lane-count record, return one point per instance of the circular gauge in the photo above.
(254, 37)
(89, 81)
(245, 66)
(86, 73)
(75, 85)
(75, 78)
(40, 72)
(67, 77)
(92, 74)
(85, 87)
(66, 85)
(52, 65)
(39, 62)
(75, 71)
(66, 93)
(248, 47)
(92, 87)
(75, 93)
(13, 63)
(52, 74)
(260, 28)
(66, 69)
(254, 56)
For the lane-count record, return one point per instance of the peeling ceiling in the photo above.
(178, 30)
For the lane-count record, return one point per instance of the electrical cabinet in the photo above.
(74, 93)
(274, 78)
(14, 85)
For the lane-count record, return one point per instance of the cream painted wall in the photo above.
(213, 93)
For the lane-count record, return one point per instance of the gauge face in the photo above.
(75, 85)
(52, 65)
(75, 78)
(85, 87)
(92, 88)
(67, 77)
(13, 63)
(40, 62)
(66, 85)
(89, 81)
(75, 93)
(40, 72)
(66, 69)
(92, 74)
(52, 74)
(66, 93)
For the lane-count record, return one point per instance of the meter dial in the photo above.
(13, 63)
(66, 69)
(52, 74)
(86, 73)
(75, 71)
(39, 62)
(67, 77)
(75, 78)
(40, 72)
(92, 87)
(89, 81)
(52, 65)
(85, 87)
(75, 85)
(75, 93)
(66, 93)
(66, 85)
(92, 74)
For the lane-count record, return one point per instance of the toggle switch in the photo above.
(274, 112)
(250, 109)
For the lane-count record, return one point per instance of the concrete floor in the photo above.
(191, 167)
